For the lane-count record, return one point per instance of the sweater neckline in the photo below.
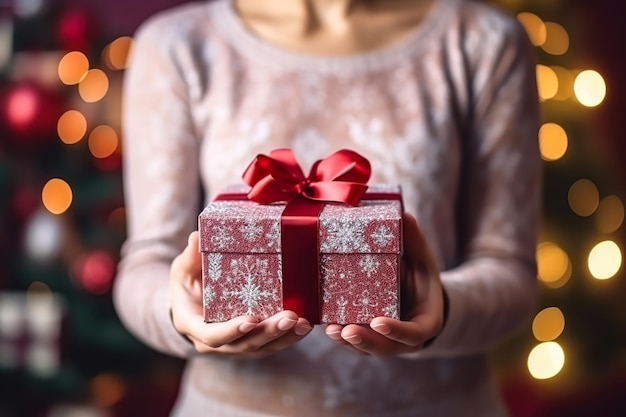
(264, 52)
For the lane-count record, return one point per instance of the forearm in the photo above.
(489, 300)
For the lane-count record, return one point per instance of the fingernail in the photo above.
(336, 335)
(301, 329)
(286, 324)
(246, 326)
(354, 339)
(382, 328)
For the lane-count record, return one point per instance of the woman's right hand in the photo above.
(244, 336)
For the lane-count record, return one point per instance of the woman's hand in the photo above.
(244, 336)
(422, 295)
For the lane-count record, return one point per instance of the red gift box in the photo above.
(347, 273)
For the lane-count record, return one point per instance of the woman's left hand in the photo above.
(423, 294)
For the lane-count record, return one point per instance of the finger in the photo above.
(367, 341)
(213, 336)
(299, 331)
(186, 268)
(191, 254)
(427, 294)
(333, 331)
(410, 333)
(267, 331)
(415, 247)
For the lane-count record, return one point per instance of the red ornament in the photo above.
(29, 112)
(74, 30)
(95, 272)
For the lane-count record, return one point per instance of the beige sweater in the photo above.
(450, 113)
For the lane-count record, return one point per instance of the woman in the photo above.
(439, 95)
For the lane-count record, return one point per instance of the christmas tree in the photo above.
(63, 350)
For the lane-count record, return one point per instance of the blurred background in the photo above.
(63, 352)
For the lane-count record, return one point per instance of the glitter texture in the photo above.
(359, 260)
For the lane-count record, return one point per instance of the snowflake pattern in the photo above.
(245, 287)
(346, 234)
(251, 230)
(382, 236)
(222, 235)
(369, 265)
(365, 304)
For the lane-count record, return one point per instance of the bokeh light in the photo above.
(552, 141)
(95, 272)
(73, 67)
(583, 197)
(605, 260)
(117, 218)
(43, 236)
(93, 86)
(107, 389)
(71, 127)
(535, 27)
(548, 324)
(22, 105)
(557, 39)
(116, 54)
(566, 83)
(610, 214)
(553, 265)
(547, 82)
(103, 141)
(56, 196)
(546, 360)
(589, 88)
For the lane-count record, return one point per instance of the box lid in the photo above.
(234, 226)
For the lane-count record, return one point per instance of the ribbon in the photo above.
(277, 177)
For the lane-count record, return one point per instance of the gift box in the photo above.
(330, 261)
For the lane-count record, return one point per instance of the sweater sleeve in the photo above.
(493, 291)
(161, 182)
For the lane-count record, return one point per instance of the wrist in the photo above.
(446, 311)
(184, 337)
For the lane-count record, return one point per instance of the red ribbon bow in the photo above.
(341, 178)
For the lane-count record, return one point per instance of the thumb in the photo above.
(416, 249)
(187, 267)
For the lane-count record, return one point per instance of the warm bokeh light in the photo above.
(557, 39)
(37, 293)
(117, 218)
(553, 265)
(116, 54)
(547, 82)
(605, 260)
(72, 67)
(548, 324)
(94, 86)
(589, 88)
(535, 27)
(583, 197)
(546, 360)
(56, 196)
(566, 83)
(552, 141)
(610, 214)
(107, 389)
(71, 127)
(103, 141)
